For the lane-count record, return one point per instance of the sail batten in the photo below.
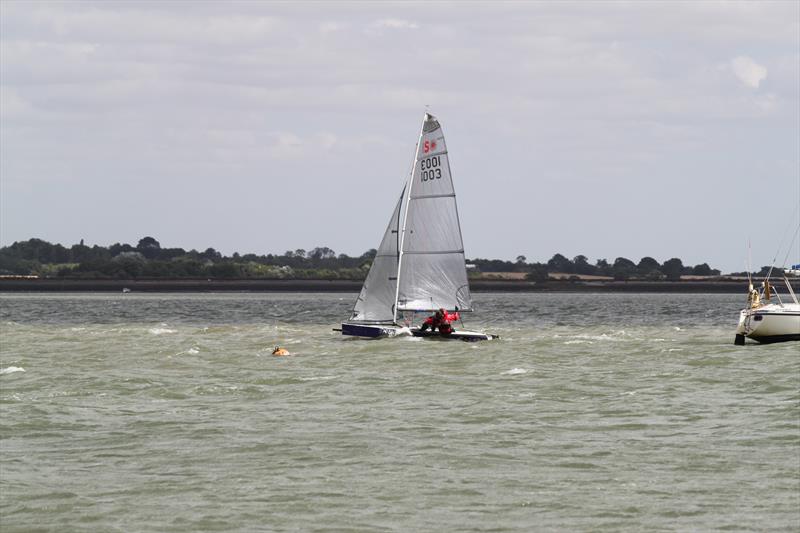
(425, 196)
(434, 252)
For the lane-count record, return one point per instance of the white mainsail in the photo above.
(420, 264)
(432, 271)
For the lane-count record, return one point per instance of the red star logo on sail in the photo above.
(427, 146)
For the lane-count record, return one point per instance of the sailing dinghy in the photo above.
(419, 266)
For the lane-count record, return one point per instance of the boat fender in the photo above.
(278, 351)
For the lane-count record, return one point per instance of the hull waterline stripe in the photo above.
(769, 339)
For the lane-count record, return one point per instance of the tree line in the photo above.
(147, 259)
(620, 269)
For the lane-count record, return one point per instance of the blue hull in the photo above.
(364, 330)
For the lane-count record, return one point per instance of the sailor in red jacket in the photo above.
(441, 319)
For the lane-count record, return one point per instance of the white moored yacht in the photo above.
(766, 320)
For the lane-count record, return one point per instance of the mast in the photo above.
(405, 214)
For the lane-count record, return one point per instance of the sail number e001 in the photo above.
(430, 168)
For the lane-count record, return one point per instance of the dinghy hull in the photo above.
(468, 336)
(371, 330)
(374, 331)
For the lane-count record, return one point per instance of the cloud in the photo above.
(625, 95)
(393, 24)
(327, 140)
(331, 27)
(748, 71)
(12, 104)
(287, 144)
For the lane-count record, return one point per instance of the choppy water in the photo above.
(594, 412)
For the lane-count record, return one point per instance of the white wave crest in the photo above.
(617, 336)
(515, 371)
(11, 370)
(161, 331)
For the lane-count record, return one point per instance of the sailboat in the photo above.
(766, 319)
(419, 266)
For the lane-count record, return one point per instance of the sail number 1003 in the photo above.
(430, 168)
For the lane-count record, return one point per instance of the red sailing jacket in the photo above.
(451, 317)
(446, 319)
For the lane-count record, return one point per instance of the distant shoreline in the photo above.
(273, 285)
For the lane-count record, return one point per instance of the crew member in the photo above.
(441, 319)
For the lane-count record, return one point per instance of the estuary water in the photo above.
(601, 412)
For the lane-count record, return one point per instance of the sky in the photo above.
(607, 129)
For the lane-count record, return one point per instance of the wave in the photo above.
(616, 336)
(11, 370)
(161, 331)
(515, 371)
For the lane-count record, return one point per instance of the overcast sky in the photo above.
(604, 129)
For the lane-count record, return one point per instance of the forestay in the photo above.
(432, 271)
